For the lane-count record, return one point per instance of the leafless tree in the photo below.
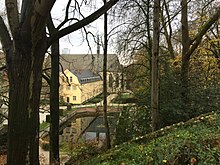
(25, 43)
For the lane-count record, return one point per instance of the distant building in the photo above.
(79, 86)
(94, 63)
(75, 65)
(66, 51)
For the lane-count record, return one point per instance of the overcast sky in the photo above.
(76, 42)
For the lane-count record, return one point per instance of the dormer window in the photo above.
(71, 79)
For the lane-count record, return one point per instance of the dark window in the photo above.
(74, 97)
(117, 81)
(67, 99)
(67, 87)
(67, 129)
(74, 130)
(110, 81)
(71, 79)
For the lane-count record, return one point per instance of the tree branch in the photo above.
(83, 22)
(12, 14)
(5, 36)
(38, 20)
(46, 78)
(198, 38)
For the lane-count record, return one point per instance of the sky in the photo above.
(75, 43)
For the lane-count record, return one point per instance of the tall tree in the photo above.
(54, 98)
(105, 91)
(185, 48)
(25, 52)
(155, 70)
(189, 45)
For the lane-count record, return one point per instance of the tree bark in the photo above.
(155, 74)
(24, 98)
(54, 105)
(185, 57)
(105, 92)
(54, 99)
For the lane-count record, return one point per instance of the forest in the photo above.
(170, 58)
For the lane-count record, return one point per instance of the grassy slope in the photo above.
(194, 142)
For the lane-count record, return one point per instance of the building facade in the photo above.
(79, 86)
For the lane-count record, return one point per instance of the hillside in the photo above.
(196, 141)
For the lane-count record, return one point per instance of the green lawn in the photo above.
(95, 99)
(194, 142)
(124, 98)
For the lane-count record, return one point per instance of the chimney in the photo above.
(66, 51)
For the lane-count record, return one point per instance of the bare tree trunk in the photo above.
(185, 56)
(155, 74)
(149, 38)
(54, 105)
(24, 68)
(24, 61)
(54, 98)
(108, 139)
(167, 34)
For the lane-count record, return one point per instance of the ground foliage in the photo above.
(196, 141)
(82, 151)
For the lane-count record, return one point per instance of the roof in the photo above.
(86, 76)
(89, 62)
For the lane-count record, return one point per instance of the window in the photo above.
(73, 87)
(74, 130)
(110, 81)
(71, 79)
(117, 81)
(74, 97)
(67, 87)
(67, 99)
(67, 129)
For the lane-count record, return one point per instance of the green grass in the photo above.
(95, 99)
(194, 142)
(124, 98)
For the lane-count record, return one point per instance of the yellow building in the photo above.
(79, 86)
(94, 63)
(78, 89)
